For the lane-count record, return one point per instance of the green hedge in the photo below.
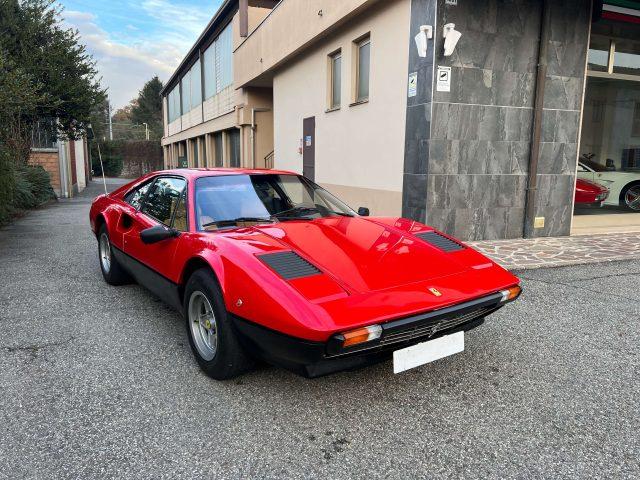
(21, 187)
(112, 165)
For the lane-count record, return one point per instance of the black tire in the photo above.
(229, 359)
(115, 274)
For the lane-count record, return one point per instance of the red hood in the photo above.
(364, 255)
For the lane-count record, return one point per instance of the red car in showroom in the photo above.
(590, 193)
(267, 265)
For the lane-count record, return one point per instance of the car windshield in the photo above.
(229, 201)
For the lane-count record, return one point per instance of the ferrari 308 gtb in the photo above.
(267, 265)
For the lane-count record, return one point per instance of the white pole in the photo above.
(104, 180)
(146, 130)
(110, 124)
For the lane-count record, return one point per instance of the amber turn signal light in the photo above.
(510, 294)
(361, 335)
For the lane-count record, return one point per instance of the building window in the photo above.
(217, 143)
(196, 84)
(335, 80)
(363, 54)
(185, 90)
(173, 103)
(234, 147)
(209, 66)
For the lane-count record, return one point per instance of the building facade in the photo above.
(483, 142)
(209, 121)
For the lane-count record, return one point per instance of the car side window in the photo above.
(163, 199)
(136, 196)
(180, 215)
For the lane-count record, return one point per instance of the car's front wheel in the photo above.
(112, 271)
(631, 197)
(211, 335)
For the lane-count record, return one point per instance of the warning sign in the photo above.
(443, 79)
(413, 84)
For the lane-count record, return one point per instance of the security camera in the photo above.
(426, 32)
(451, 37)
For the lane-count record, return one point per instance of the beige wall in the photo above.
(362, 146)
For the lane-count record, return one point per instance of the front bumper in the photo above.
(314, 359)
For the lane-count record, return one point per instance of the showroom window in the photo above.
(609, 150)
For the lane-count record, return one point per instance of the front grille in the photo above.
(440, 241)
(429, 329)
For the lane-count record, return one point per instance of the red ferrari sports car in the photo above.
(267, 265)
(590, 193)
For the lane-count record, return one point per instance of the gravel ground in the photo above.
(98, 381)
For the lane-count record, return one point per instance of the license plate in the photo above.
(426, 352)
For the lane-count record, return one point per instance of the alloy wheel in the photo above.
(632, 197)
(105, 253)
(203, 325)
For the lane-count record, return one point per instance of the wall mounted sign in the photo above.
(443, 79)
(451, 2)
(307, 141)
(413, 84)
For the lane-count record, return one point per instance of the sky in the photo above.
(134, 40)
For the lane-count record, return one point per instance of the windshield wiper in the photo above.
(234, 221)
(301, 209)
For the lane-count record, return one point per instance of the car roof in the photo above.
(214, 172)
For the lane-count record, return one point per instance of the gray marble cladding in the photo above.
(418, 117)
(489, 87)
(469, 154)
(476, 191)
(452, 121)
(474, 223)
(478, 157)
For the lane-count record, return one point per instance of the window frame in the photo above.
(186, 201)
(356, 98)
(331, 58)
(135, 188)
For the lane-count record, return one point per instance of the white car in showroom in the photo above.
(624, 187)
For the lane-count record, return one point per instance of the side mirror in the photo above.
(157, 234)
(363, 211)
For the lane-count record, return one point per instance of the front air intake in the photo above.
(289, 265)
(440, 241)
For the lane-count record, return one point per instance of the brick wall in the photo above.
(49, 161)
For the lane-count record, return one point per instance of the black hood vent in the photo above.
(289, 265)
(440, 241)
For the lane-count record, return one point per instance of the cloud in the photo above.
(131, 49)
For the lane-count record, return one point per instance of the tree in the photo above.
(58, 68)
(147, 108)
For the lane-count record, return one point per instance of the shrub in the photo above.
(112, 165)
(7, 185)
(32, 187)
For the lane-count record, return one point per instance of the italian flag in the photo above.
(622, 10)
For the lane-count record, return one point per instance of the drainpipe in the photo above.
(532, 180)
(253, 133)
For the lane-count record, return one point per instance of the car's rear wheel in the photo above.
(211, 334)
(112, 271)
(631, 197)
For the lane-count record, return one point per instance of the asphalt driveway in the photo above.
(98, 381)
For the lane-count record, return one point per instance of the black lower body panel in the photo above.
(309, 358)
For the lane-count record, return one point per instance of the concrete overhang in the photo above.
(290, 28)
